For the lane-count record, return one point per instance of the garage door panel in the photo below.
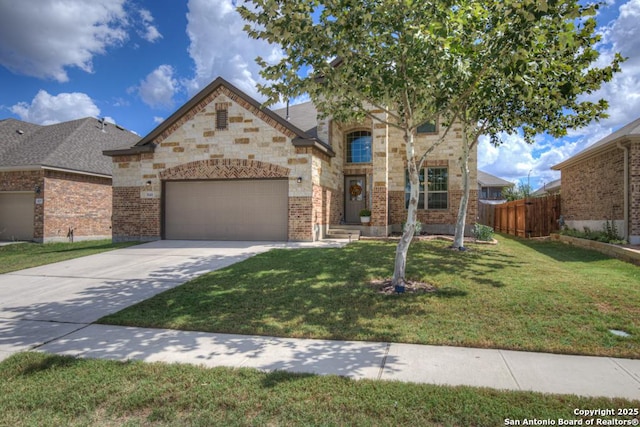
(226, 210)
(16, 216)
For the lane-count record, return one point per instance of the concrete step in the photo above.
(343, 233)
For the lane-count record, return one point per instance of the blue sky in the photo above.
(136, 61)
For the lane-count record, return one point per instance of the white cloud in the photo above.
(159, 87)
(220, 47)
(150, 33)
(514, 159)
(43, 38)
(46, 109)
(158, 120)
(623, 91)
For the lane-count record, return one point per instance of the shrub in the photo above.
(609, 234)
(482, 232)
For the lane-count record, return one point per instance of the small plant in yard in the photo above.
(609, 234)
(417, 227)
(482, 232)
(365, 212)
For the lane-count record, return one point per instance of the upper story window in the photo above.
(359, 147)
(427, 127)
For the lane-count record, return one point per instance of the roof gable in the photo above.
(204, 98)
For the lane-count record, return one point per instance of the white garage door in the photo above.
(226, 210)
(16, 216)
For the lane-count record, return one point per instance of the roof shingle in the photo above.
(75, 145)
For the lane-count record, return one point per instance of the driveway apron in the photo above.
(41, 304)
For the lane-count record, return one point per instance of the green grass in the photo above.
(40, 389)
(520, 294)
(26, 255)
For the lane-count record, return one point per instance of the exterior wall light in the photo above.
(299, 180)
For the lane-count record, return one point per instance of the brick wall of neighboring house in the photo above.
(78, 202)
(593, 190)
(634, 190)
(69, 200)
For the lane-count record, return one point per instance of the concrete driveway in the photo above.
(41, 304)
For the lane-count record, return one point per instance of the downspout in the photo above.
(626, 190)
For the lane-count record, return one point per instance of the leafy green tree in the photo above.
(517, 192)
(537, 88)
(415, 61)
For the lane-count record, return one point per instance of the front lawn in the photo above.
(40, 389)
(520, 294)
(19, 256)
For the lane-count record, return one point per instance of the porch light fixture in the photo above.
(148, 183)
(37, 189)
(299, 180)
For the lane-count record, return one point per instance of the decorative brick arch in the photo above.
(224, 169)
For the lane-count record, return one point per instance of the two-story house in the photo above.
(224, 168)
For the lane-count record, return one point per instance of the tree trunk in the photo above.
(458, 239)
(412, 216)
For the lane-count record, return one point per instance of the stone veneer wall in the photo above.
(253, 147)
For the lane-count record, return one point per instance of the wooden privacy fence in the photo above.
(530, 217)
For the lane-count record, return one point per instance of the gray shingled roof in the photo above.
(304, 116)
(549, 187)
(75, 145)
(488, 180)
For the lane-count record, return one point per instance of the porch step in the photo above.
(343, 233)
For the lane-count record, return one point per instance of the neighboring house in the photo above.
(549, 189)
(490, 188)
(602, 183)
(54, 179)
(223, 167)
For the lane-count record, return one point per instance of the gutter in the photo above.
(626, 189)
(136, 149)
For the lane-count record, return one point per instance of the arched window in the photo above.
(359, 147)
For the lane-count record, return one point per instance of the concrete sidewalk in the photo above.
(499, 369)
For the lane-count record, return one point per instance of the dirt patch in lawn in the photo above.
(386, 287)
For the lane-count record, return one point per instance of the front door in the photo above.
(355, 198)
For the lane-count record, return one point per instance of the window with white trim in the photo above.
(434, 193)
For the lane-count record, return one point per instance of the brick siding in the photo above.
(300, 218)
(78, 202)
(634, 188)
(224, 169)
(594, 189)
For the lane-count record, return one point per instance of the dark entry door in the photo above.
(355, 198)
